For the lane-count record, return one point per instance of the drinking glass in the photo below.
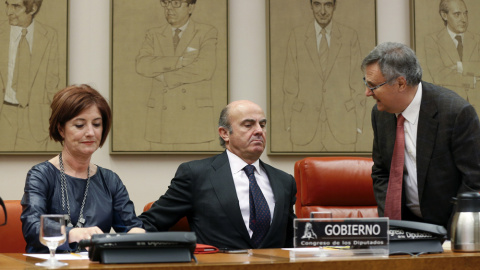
(52, 234)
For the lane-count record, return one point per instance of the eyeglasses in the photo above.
(174, 3)
(375, 87)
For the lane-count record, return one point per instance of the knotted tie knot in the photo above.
(249, 170)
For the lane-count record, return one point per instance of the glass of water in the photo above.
(52, 235)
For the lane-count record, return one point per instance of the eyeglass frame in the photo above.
(162, 2)
(375, 87)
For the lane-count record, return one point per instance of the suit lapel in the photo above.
(165, 38)
(427, 132)
(222, 182)
(446, 42)
(311, 45)
(469, 45)
(388, 124)
(5, 37)
(334, 49)
(186, 38)
(38, 49)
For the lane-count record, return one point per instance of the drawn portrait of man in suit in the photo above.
(177, 61)
(453, 53)
(31, 72)
(324, 105)
(450, 51)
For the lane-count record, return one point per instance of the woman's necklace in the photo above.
(81, 220)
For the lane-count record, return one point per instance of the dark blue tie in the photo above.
(259, 211)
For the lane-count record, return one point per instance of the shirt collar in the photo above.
(452, 34)
(17, 30)
(318, 28)
(181, 28)
(237, 164)
(413, 110)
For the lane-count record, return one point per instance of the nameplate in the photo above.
(348, 233)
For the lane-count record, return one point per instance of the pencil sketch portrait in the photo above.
(178, 68)
(448, 45)
(315, 66)
(33, 45)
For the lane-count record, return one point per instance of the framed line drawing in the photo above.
(168, 89)
(33, 67)
(435, 27)
(316, 99)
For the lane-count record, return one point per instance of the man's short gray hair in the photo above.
(224, 122)
(395, 60)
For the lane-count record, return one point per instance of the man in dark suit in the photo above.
(441, 137)
(214, 193)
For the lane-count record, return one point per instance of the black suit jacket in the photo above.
(448, 152)
(204, 191)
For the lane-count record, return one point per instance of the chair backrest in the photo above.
(180, 226)
(340, 185)
(11, 236)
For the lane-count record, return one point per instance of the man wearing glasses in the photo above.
(324, 105)
(426, 139)
(180, 59)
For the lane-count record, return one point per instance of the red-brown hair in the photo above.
(73, 100)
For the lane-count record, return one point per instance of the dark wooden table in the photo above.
(274, 259)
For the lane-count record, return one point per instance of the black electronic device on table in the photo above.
(147, 247)
(410, 237)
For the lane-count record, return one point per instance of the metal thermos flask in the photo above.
(465, 228)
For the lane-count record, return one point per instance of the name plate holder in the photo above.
(325, 238)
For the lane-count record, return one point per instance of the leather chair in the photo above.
(340, 185)
(11, 235)
(180, 226)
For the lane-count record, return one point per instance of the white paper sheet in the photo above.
(62, 256)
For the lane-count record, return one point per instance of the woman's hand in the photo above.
(77, 234)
